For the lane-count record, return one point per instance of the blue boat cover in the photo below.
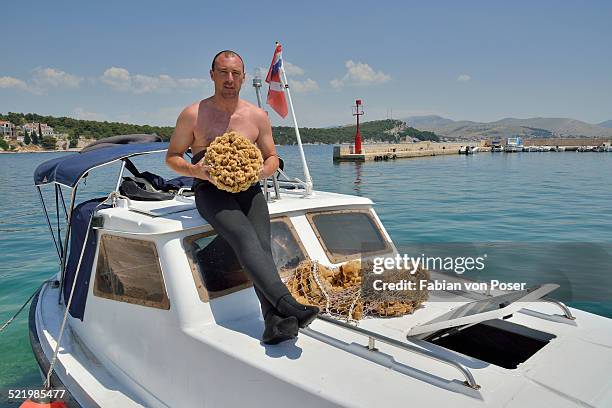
(67, 170)
(80, 222)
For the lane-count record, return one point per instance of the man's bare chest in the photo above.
(209, 126)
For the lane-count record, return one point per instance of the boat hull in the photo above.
(42, 359)
(235, 370)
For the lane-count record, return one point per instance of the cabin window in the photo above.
(214, 266)
(287, 249)
(128, 270)
(348, 234)
(216, 269)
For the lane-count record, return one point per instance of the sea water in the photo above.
(537, 216)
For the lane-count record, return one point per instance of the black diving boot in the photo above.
(305, 314)
(279, 328)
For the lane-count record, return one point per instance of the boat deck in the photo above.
(327, 365)
(180, 214)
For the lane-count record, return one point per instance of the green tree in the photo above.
(26, 138)
(74, 141)
(15, 118)
(3, 144)
(388, 130)
(35, 140)
(48, 142)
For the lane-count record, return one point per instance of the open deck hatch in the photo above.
(478, 329)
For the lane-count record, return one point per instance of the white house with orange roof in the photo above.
(7, 130)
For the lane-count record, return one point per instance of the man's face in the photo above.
(228, 76)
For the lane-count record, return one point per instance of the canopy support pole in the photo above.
(63, 203)
(42, 201)
(66, 238)
(120, 176)
(57, 216)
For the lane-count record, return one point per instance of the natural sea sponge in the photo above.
(235, 162)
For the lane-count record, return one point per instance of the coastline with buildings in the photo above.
(382, 139)
(37, 137)
(383, 151)
(29, 137)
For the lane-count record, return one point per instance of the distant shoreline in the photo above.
(39, 151)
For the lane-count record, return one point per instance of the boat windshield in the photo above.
(348, 234)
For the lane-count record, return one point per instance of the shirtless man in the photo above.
(242, 219)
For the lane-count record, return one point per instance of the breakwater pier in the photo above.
(383, 151)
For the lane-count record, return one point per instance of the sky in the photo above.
(142, 62)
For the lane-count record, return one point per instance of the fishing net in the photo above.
(235, 162)
(349, 292)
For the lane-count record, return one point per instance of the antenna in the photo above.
(257, 86)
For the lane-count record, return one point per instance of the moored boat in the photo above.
(158, 313)
(496, 146)
(513, 145)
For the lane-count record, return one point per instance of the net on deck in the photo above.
(349, 291)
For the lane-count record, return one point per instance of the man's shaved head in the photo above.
(226, 53)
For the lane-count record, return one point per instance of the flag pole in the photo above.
(297, 133)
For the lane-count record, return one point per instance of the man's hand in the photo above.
(201, 170)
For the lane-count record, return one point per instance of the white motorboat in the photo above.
(160, 315)
(469, 149)
(496, 146)
(513, 145)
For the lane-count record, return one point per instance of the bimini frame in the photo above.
(56, 236)
(284, 184)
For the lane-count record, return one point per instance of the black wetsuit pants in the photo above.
(242, 219)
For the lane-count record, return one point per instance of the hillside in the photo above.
(427, 121)
(88, 129)
(606, 124)
(374, 131)
(508, 127)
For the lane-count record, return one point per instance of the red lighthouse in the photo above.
(357, 111)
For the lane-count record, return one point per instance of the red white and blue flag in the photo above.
(276, 93)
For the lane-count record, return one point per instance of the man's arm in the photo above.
(266, 145)
(181, 140)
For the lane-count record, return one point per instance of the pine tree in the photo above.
(26, 138)
(35, 140)
(74, 141)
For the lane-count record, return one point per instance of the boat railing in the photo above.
(280, 181)
(561, 305)
(373, 337)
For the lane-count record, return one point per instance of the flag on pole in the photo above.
(276, 93)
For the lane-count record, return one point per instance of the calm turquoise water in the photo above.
(527, 210)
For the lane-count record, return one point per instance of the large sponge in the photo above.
(235, 162)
